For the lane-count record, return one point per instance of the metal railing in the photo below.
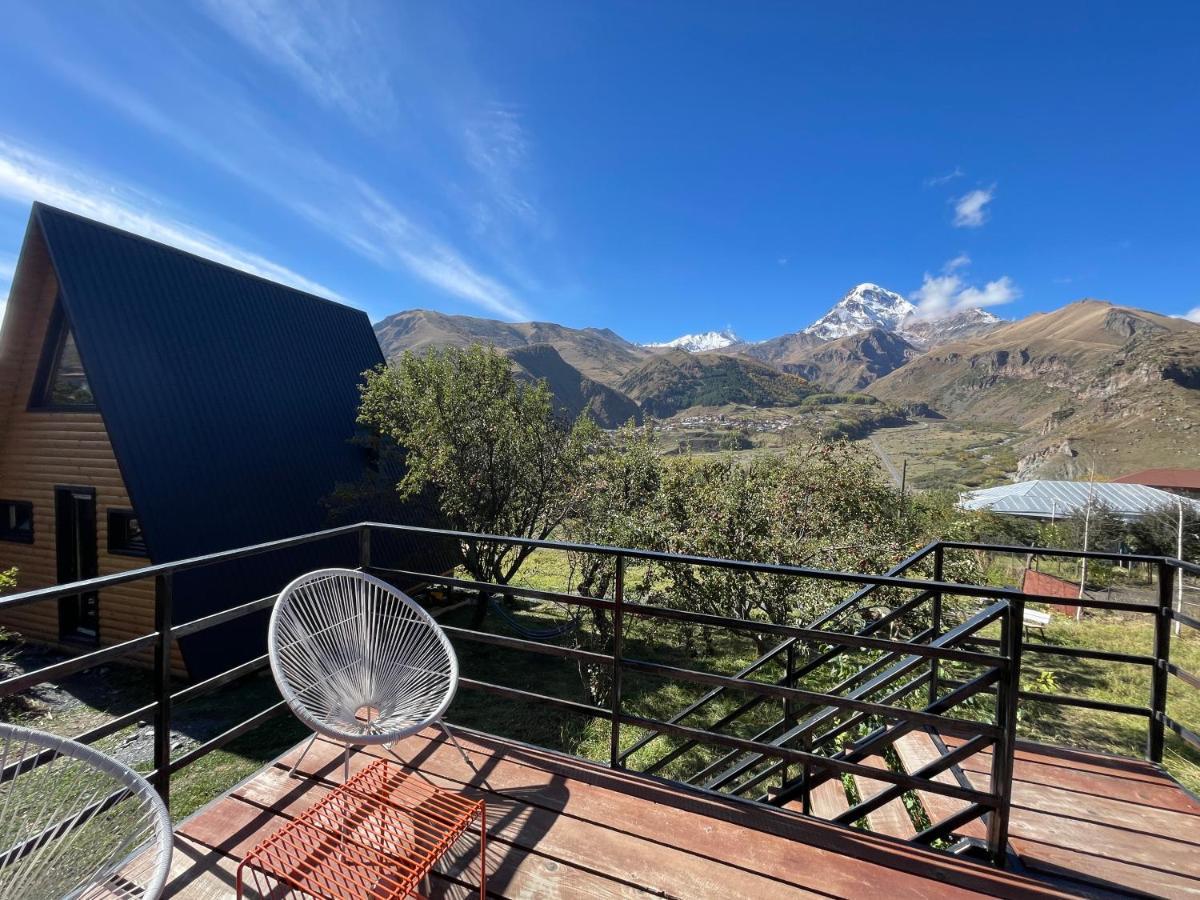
(845, 709)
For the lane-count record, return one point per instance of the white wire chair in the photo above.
(75, 823)
(358, 661)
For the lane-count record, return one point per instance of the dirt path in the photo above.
(892, 471)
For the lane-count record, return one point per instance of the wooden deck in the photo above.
(560, 827)
(1120, 824)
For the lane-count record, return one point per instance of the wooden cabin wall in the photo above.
(39, 450)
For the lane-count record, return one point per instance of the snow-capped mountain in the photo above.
(966, 323)
(866, 306)
(697, 343)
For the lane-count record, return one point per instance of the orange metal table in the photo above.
(376, 836)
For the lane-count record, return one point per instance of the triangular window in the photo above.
(62, 383)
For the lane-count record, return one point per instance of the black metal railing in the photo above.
(898, 683)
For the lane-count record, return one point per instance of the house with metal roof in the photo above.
(155, 405)
(1178, 481)
(1056, 499)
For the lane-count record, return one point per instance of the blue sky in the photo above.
(652, 167)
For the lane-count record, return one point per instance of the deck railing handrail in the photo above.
(1004, 663)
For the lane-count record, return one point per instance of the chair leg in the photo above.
(463, 752)
(307, 747)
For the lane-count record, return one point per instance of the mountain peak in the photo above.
(698, 343)
(865, 306)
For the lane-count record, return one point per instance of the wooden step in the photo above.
(917, 749)
(891, 818)
(828, 800)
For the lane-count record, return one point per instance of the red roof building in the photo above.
(1181, 481)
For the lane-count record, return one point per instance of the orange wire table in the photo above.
(376, 836)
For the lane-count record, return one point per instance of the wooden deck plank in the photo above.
(525, 826)
(779, 855)
(561, 827)
(828, 799)
(917, 749)
(1073, 816)
(200, 873)
(892, 818)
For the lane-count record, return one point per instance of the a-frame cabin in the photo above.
(154, 406)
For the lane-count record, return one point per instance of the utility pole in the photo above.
(1087, 521)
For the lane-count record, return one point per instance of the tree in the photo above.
(492, 449)
(1157, 532)
(619, 507)
(824, 505)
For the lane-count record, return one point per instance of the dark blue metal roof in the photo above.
(229, 399)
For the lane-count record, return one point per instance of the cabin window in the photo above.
(62, 382)
(16, 521)
(125, 533)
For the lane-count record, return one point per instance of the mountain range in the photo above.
(1089, 384)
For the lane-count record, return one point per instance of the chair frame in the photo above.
(39, 742)
(351, 739)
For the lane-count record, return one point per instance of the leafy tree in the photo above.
(619, 507)
(824, 505)
(1157, 532)
(490, 447)
(1104, 528)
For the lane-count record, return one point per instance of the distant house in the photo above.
(1177, 481)
(155, 406)
(1058, 499)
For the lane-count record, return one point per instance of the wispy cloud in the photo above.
(970, 210)
(350, 210)
(959, 262)
(27, 175)
(323, 47)
(390, 235)
(939, 180)
(1192, 315)
(949, 293)
(498, 149)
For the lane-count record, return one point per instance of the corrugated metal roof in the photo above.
(229, 400)
(1046, 499)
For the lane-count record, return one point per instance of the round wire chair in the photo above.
(76, 823)
(358, 661)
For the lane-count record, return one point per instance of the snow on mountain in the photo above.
(866, 306)
(966, 323)
(698, 343)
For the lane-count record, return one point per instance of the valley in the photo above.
(968, 399)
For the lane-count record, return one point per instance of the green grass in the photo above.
(943, 454)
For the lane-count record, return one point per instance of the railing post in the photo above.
(364, 548)
(789, 711)
(163, 619)
(1162, 655)
(618, 636)
(1007, 697)
(935, 619)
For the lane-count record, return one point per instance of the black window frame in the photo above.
(56, 338)
(16, 536)
(117, 520)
